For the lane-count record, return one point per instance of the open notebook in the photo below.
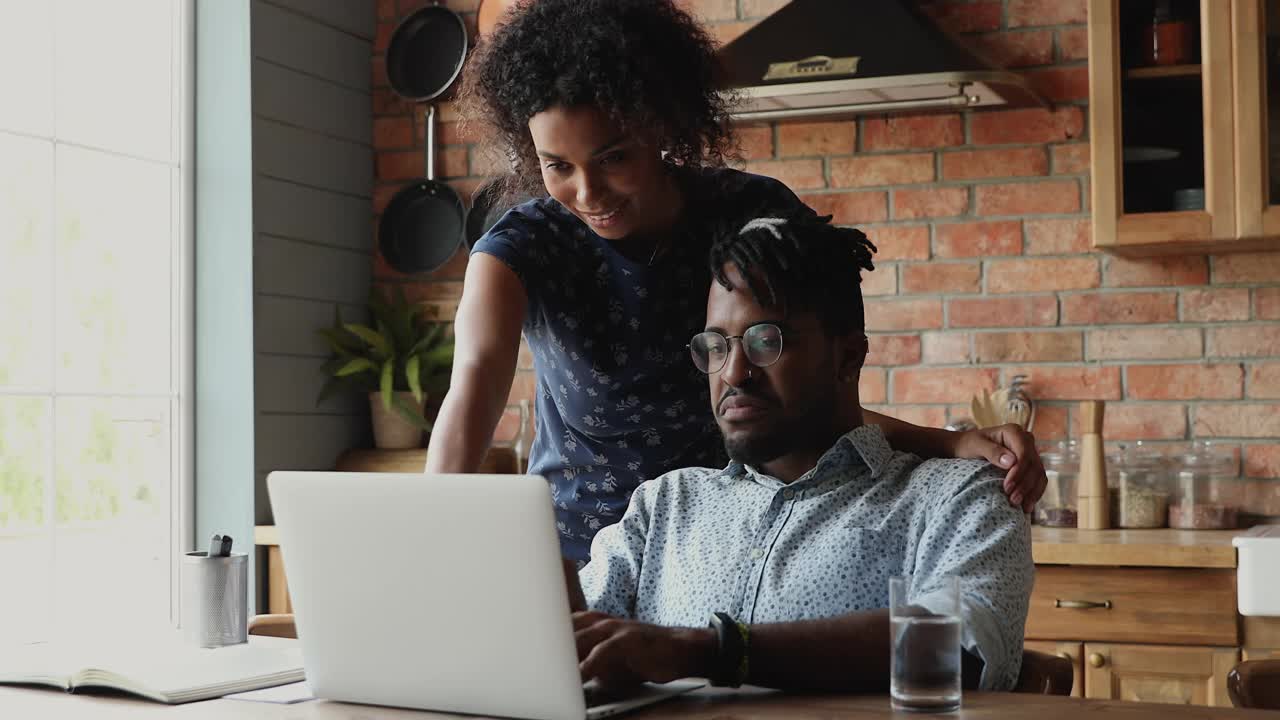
(161, 669)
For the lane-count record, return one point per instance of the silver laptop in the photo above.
(434, 592)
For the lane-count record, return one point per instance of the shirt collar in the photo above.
(862, 447)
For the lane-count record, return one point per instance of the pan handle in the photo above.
(431, 142)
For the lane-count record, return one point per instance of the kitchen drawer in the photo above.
(1171, 606)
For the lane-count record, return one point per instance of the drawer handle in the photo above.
(1082, 604)
(1097, 660)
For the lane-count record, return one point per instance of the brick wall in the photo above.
(985, 269)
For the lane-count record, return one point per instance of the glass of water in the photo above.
(924, 665)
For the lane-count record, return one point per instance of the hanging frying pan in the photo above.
(422, 226)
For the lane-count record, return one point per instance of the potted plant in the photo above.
(399, 360)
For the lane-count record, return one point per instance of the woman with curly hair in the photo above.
(609, 107)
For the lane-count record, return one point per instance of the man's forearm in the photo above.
(904, 437)
(849, 653)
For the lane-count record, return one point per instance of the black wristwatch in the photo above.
(733, 641)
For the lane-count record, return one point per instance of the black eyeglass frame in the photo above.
(728, 341)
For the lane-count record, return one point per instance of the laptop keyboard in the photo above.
(596, 695)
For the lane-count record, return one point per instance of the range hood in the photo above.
(816, 58)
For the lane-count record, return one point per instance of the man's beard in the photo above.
(787, 436)
(758, 450)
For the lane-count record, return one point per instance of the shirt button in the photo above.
(788, 493)
(756, 553)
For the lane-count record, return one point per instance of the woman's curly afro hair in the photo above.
(647, 64)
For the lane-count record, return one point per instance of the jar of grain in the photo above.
(1206, 493)
(1057, 507)
(1138, 481)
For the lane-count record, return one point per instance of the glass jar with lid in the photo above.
(1057, 507)
(1138, 483)
(1205, 490)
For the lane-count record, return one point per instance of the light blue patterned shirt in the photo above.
(700, 540)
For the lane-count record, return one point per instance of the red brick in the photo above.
(1073, 43)
(795, 174)
(1036, 310)
(1156, 421)
(933, 202)
(978, 239)
(1266, 303)
(755, 142)
(508, 425)
(900, 315)
(1244, 420)
(524, 361)
(906, 132)
(963, 17)
(1013, 162)
(1264, 381)
(1079, 382)
(1119, 308)
(382, 36)
(900, 242)
(382, 194)
(1065, 236)
(881, 281)
(1139, 272)
(710, 10)
(869, 170)
(1023, 346)
(386, 9)
(1015, 49)
(1042, 274)
(523, 387)
(392, 133)
(872, 386)
(1245, 341)
(1030, 125)
(945, 348)
(1215, 305)
(1224, 381)
(404, 165)
(817, 138)
(1061, 84)
(1246, 268)
(1262, 461)
(378, 72)
(893, 350)
(1050, 423)
(850, 208)
(935, 277)
(1262, 497)
(1057, 196)
(924, 416)
(1145, 344)
(386, 102)
(761, 8)
(1024, 13)
(941, 385)
(1070, 159)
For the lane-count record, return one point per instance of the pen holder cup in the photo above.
(215, 599)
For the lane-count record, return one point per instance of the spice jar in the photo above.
(1167, 39)
(1057, 507)
(1205, 491)
(1138, 483)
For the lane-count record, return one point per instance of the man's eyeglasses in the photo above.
(762, 343)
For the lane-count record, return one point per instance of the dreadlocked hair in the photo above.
(801, 261)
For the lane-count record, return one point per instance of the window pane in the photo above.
(24, 541)
(26, 66)
(113, 269)
(112, 75)
(26, 315)
(112, 487)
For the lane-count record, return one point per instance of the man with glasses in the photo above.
(774, 570)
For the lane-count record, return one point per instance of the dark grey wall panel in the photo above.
(288, 325)
(295, 211)
(353, 16)
(308, 102)
(301, 270)
(288, 384)
(299, 42)
(289, 153)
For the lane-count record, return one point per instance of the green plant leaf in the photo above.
(387, 382)
(432, 333)
(381, 347)
(410, 413)
(411, 374)
(356, 365)
(330, 388)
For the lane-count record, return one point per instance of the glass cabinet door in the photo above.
(1256, 31)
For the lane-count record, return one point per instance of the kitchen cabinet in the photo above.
(1181, 145)
(1159, 673)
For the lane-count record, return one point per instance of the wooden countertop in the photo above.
(1143, 548)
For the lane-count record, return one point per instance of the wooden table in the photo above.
(707, 704)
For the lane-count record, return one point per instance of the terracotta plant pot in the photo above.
(390, 430)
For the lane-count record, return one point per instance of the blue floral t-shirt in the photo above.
(618, 398)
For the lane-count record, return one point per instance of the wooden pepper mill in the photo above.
(1093, 498)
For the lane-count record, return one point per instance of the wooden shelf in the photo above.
(1143, 548)
(1163, 71)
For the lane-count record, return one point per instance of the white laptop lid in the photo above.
(443, 592)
